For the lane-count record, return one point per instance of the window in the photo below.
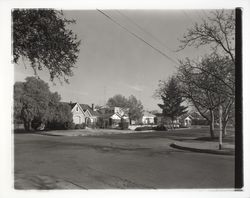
(76, 108)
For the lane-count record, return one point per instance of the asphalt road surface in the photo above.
(127, 161)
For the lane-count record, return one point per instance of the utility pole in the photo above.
(220, 127)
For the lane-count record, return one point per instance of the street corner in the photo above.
(209, 148)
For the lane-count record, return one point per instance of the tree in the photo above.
(62, 117)
(170, 93)
(35, 104)
(135, 106)
(41, 36)
(18, 91)
(201, 84)
(218, 31)
(118, 100)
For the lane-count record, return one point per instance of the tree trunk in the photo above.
(211, 123)
(27, 125)
(172, 123)
(224, 128)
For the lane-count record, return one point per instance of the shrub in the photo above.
(199, 122)
(83, 125)
(143, 128)
(160, 128)
(68, 125)
(72, 125)
(123, 125)
(77, 126)
(35, 123)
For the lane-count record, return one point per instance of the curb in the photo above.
(47, 134)
(216, 152)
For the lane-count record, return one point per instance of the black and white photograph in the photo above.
(131, 99)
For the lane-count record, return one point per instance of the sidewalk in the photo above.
(205, 147)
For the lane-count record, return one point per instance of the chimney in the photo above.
(92, 106)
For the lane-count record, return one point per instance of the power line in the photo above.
(143, 29)
(138, 37)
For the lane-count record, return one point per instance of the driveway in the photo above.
(115, 161)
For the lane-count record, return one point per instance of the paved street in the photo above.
(115, 161)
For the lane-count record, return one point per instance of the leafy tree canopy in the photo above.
(33, 102)
(42, 37)
(132, 103)
(135, 108)
(118, 101)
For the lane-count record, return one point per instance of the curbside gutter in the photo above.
(216, 152)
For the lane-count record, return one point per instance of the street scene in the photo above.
(124, 161)
(125, 99)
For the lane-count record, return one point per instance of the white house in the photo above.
(83, 113)
(113, 115)
(148, 118)
(187, 121)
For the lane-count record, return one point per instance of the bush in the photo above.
(199, 122)
(83, 126)
(35, 124)
(123, 125)
(160, 128)
(143, 128)
(68, 125)
(53, 125)
(78, 126)
(72, 125)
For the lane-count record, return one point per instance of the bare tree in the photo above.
(208, 84)
(218, 31)
(218, 69)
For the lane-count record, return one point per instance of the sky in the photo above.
(113, 60)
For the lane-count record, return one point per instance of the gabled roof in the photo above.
(147, 114)
(86, 107)
(184, 116)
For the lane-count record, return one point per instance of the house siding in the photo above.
(78, 116)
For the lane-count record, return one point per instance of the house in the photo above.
(112, 116)
(106, 116)
(185, 120)
(83, 113)
(148, 118)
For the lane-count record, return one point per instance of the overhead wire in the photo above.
(143, 30)
(138, 37)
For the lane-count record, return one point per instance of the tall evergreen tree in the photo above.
(171, 96)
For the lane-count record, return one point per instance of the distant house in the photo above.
(106, 116)
(112, 116)
(83, 113)
(185, 120)
(148, 118)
